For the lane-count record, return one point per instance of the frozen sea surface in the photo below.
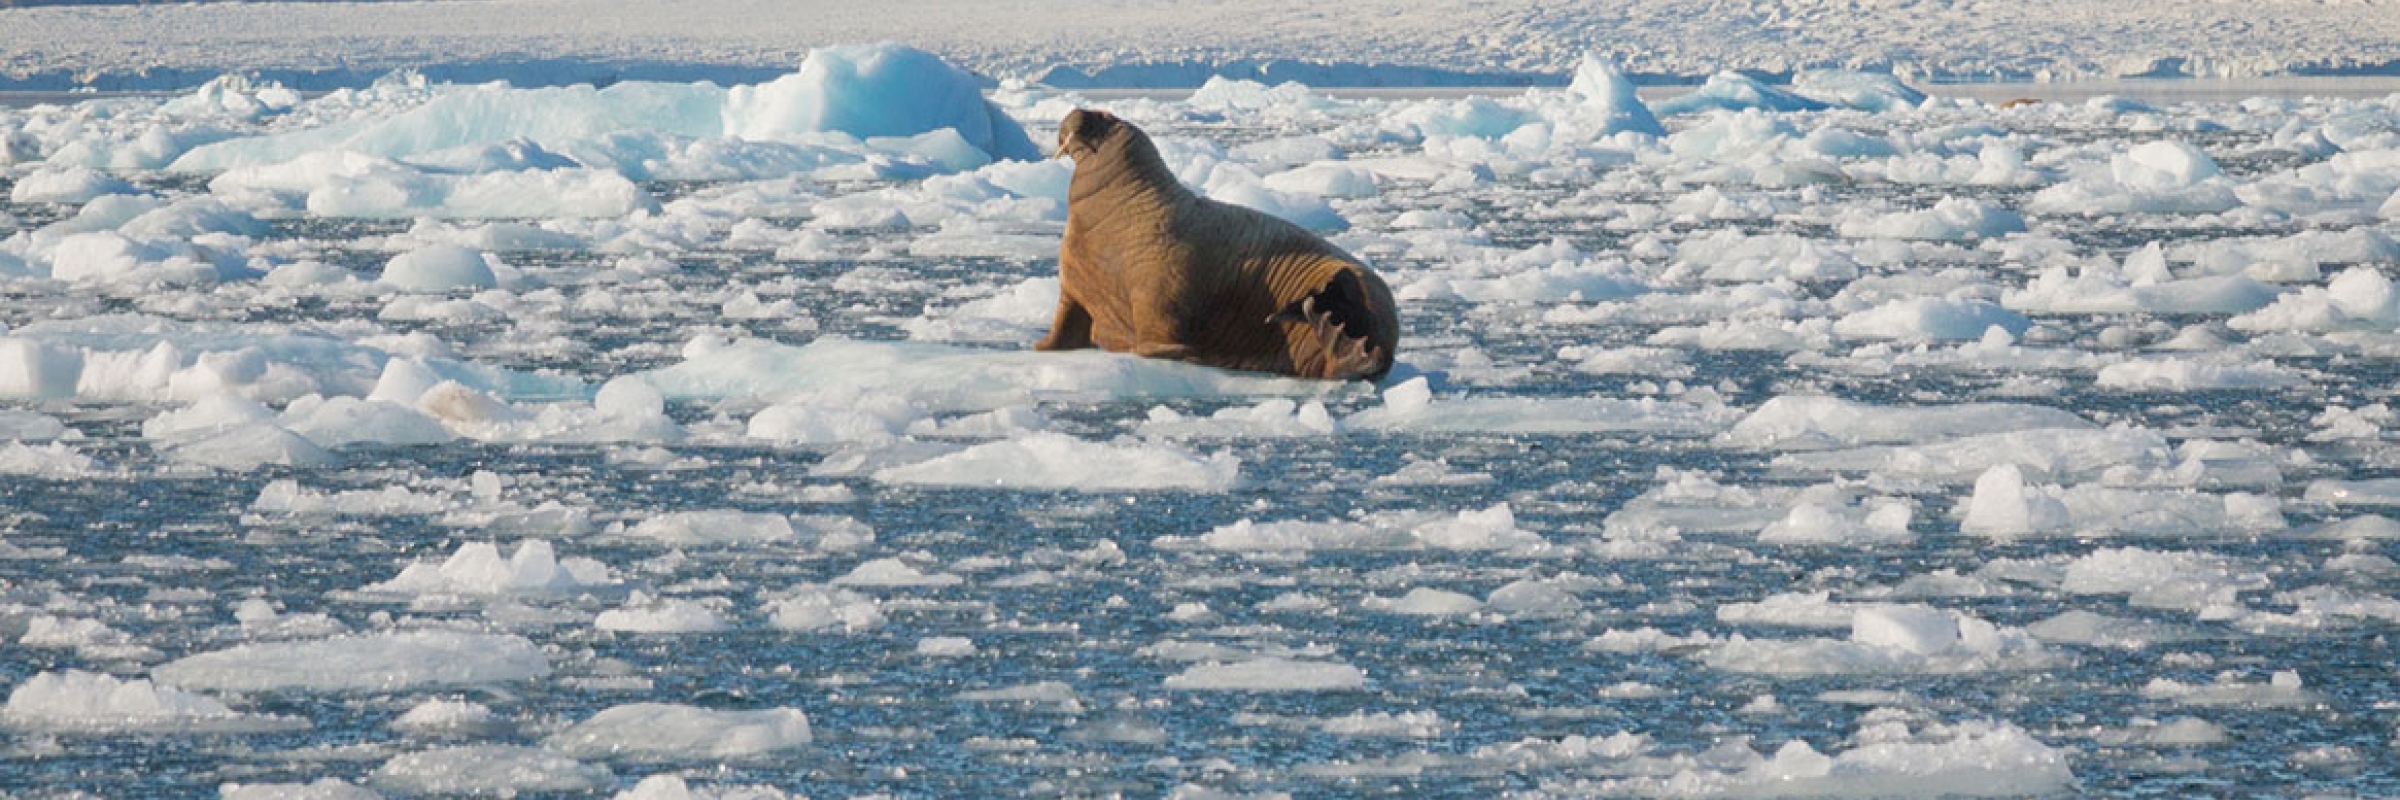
(677, 440)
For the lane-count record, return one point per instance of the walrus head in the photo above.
(1084, 130)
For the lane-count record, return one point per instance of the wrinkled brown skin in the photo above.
(1149, 268)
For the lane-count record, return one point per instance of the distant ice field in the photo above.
(663, 440)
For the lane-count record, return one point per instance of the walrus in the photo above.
(1150, 268)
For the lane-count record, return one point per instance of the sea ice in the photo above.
(1269, 675)
(477, 568)
(668, 732)
(75, 701)
(1059, 461)
(493, 770)
(380, 662)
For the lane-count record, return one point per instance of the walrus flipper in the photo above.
(1337, 320)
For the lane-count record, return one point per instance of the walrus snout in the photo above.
(1083, 130)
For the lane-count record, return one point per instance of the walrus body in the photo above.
(1150, 268)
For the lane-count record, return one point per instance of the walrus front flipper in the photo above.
(1070, 329)
(1337, 320)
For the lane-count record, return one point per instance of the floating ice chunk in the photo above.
(2055, 454)
(342, 421)
(1276, 417)
(1874, 521)
(1562, 281)
(320, 789)
(2282, 690)
(55, 461)
(32, 369)
(1399, 725)
(385, 662)
(1474, 117)
(440, 268)
(469, 116)
(1425, 601)
(248, 447)
(233, 95)
(1493, 528)
(2360, 298)
(1793, 610)
(439, 717)
(2365, 492)
(1886, 759)
(2181, 580)
(456, 403)
(2194, 374)
(813, 608)
(1238, 187)
(937, 377)
(1919, 630)
(286, 497)
(84, 702)
(2003, 505)
(1410, 406)
(946, 647)
(1537, 598)
(1221, 93)
(713, 527)
(514, 155)
(668, 732)
(1324, 179)
(2055, 291)
(1018, 313)
(1434, 472)
(645, 614)
(477, 568)
(1800, 422)
(894, 573)
(1862, 91)
(2099, 630)
(1608, 97)
(1728, 255)
(66, 185)
(1056, 695)
(995, 424)
(1890, 640)
(490, 770)
(1951, 219)
(811, 422)
(1733, 137)
(2177, 732)
(1917, 319)
(2154, 177)
(350, 184)
(1057, 461)
(1269, 675)
(2163, 165)
(671, 787)
(875, 90)
(1734, 91)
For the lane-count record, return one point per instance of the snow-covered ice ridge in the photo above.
(682, 440)
(326, 45)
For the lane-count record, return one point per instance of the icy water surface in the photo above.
(1943, 450)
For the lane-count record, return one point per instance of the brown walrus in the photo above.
(1150, 268)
